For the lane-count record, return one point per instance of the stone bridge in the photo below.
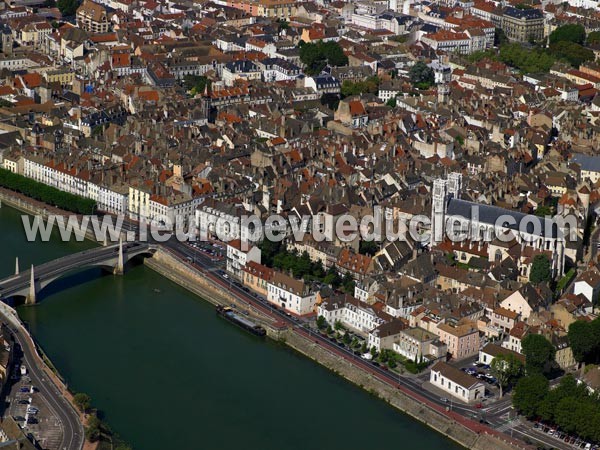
(113, 258)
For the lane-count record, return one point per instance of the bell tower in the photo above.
(438, 210)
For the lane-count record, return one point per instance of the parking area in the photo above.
(31, 411)
(216, 252)
(560, 437)
(481, 372)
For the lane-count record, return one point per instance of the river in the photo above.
(167, 373)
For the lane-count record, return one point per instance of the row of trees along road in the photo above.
(46, 194)
(570, 405)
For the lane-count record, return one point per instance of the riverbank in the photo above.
(33, 207)
(446, 423)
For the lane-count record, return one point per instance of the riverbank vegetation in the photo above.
(95, 429)
(46, 194)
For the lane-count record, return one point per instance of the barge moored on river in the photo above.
(242, 322)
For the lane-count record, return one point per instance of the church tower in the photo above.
(438, 210)
(454, 184)
(443, 191)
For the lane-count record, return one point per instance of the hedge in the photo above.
(46, 194)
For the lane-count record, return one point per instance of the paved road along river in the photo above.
(168, 373)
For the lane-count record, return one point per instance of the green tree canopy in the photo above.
(507, 368)
(593, 37)
(540, 269)
(317, 55)
(46, 194)
(370, 86)
(584, 338)
(82, 401)
(195, 83)
(421, 75)
(533, 60)
(368, 248)
(500, 37)
(321, 323)
(543, 211)
(571, 52)
(538, 351)
(67, 7)
(568, 33)
(529, 393)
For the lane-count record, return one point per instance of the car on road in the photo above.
(225, 276)
(25, 389)
(445, 400)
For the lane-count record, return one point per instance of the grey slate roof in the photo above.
(587, 162)
(490, 214)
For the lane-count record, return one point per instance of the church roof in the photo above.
(490, 214)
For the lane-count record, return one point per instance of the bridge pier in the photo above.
(120, 267)
(30, 300)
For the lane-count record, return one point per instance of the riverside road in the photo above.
(72, 429)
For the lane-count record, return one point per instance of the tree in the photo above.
(94, 429)
(540, 269)
(538, 351)
(195, 83)
(584, 338)
(82, 401)
(526, 60)
(593, 38)
(529, 393)
(574, 54)
(581, 340)
(321, 323)
(543, 211)
(337, 325)
(370, 85)
(283, 24)
(506, 368)
(421, 75)
(568, 33)
(348, 284)
(67, 7)
(391, 102)
(316, 56)
(364, 348)
(368, 248)
(500, 37)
